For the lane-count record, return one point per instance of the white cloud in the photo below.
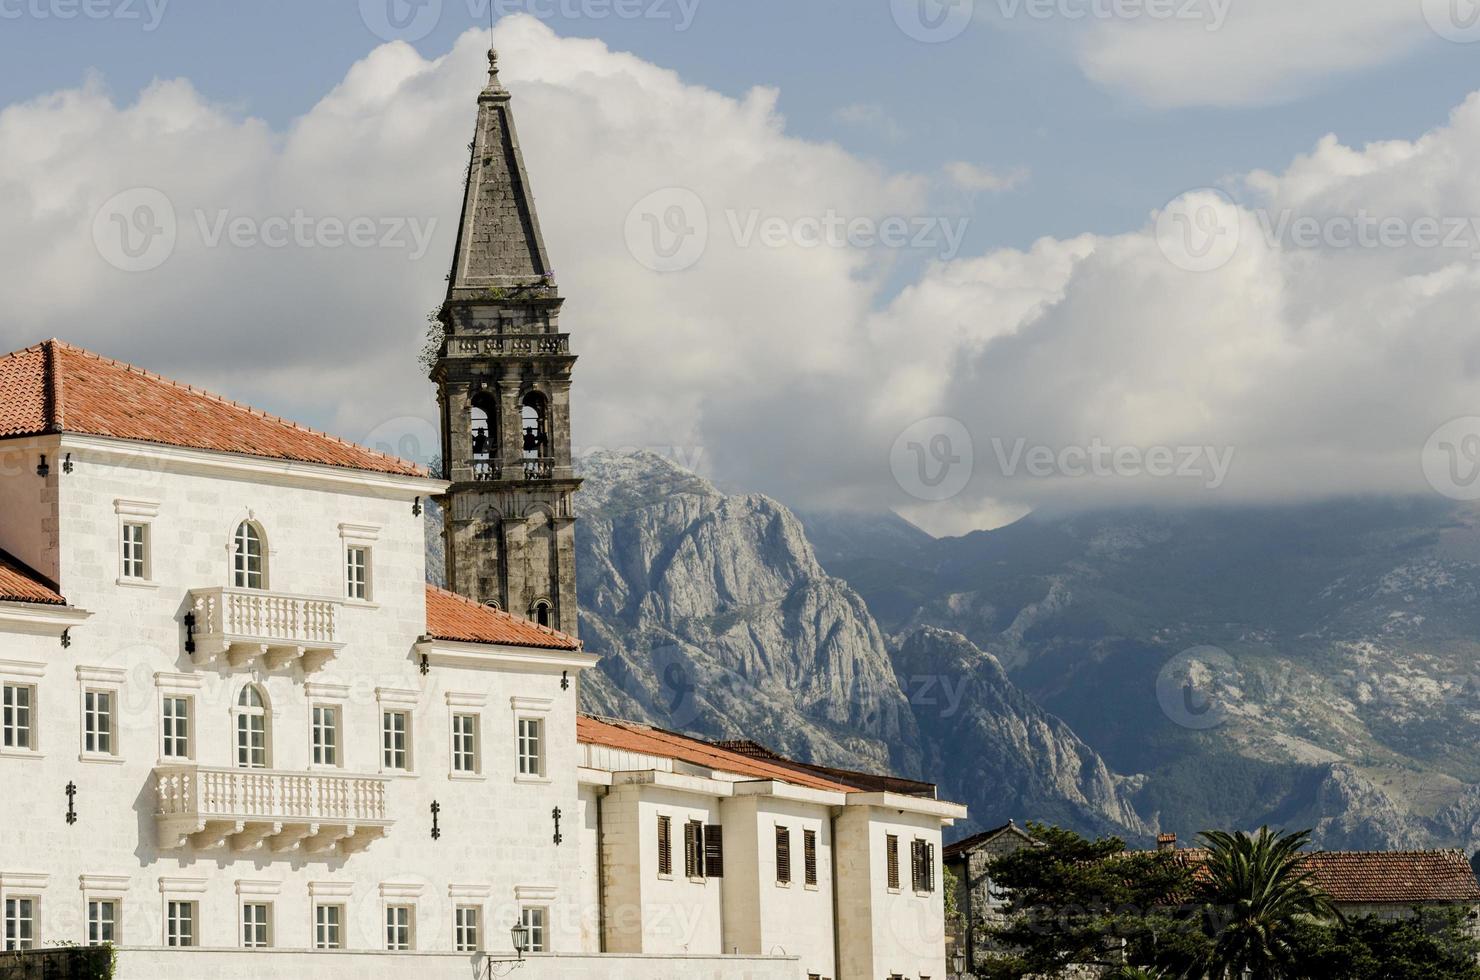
(870, 116)
(794, 367)
(970, 177)
(1234, 52)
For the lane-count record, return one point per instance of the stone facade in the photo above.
(978, 903)
(503, 379)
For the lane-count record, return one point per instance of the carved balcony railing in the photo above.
(243, 625)
(511, 345)
(486, 469)
(260, 810)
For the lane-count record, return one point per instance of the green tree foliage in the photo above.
(1076, 902)
(1255, 892)
(1432, 944)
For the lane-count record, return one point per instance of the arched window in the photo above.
(251, 729)
(542, 613)
(248, 557)
(536, 426)
(483, 433)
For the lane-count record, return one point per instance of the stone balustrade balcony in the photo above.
(268, 812)
(244, 625)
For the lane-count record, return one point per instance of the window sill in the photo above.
(811, 888)
(100, 758)
(783, 884)
(467, 777)
(893, 891)
(663, 877)
(20, 754)
(399, 774)
(174, 761)
(534, 780)
(361, 604)
(137, 583)
(696, 880)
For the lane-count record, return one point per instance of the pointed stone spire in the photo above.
(499, 244)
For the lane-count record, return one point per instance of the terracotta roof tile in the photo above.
(54, 387)
(20, 584)
(646, 740)
(451, 617)
(1380, 877)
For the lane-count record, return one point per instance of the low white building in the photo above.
(237, 729)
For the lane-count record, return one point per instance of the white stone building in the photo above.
(240, 736)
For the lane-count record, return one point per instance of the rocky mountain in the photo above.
(714, 616)
(1315, 666)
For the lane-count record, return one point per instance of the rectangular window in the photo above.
(783, 856)
(102, 922)
(665, 845)
(465, 929)
(531, 747)
(325, 735)
(15, 716)
(534, 924)
(97, 722)
(136, 551)
(809, 856)
(693, 849)
(255, 931)
(20, 923)
(714, 851)
(357, 573)
(180, 924)
(396, 739)
(398, 928)
(922, 866)
(465, 743)
(891, 860)
(175, 724)
(326, 919)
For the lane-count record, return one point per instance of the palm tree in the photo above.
(1255, 890)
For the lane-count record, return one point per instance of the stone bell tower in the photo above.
(503, 381)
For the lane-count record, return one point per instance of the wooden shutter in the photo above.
(665, 845)
(809, 855)
(891, 852)
(714, 851)
(917, 866)
(929, 867)
(783, 855)
(691, 867)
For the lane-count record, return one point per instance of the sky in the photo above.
(959, 259)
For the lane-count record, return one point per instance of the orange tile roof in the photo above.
(1379, 877)
(451, 617)
(646, 740)
(20, 584)
(55, 387)
(1407, 877)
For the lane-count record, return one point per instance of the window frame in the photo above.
(13, 920)
(394, 701)
(95, 742)
(99, 890)
(891, 863)
(242, 572)
(461, 927)
(322, 753)
(321, 926)
(531, 765)
(527, 915)
(409, 926)
(173, 937)
(140, 514)
(357, 575)
(11, 709)
(240, 712)
(784, 856)
(389, 753)
(264, 924)
(467, 749)
(531, 711)
(810, 862)
(359, 537)
(95, 922)
(665, 846)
